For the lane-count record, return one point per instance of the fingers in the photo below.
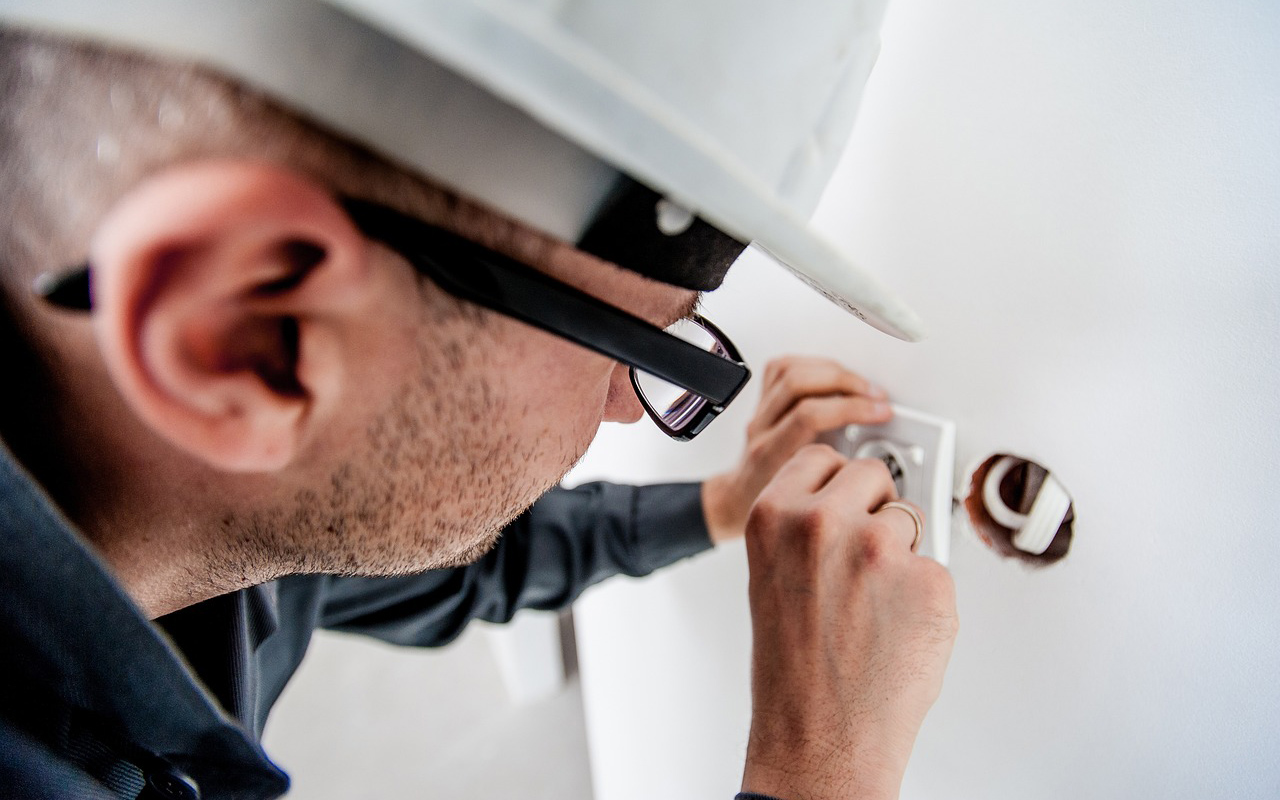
(770, 447)
(864, 483)
(809, 471)
(812, 367)
(823, 485)
(793, 380)
(803, 398)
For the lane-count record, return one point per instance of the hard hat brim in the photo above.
(571, 90)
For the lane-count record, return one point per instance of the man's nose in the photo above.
(622, 404)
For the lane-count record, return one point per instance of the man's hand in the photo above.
(801, 398)
(852, 632)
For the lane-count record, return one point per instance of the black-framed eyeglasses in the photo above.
(685, 376)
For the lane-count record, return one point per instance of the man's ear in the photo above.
(220, 289)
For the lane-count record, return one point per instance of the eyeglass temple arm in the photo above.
(67, 290)
(509, 287)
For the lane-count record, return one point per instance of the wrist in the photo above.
(798, 785)
(799, 769)
(721, 509)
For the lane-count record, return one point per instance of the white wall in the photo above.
(363, 719)
(1083, 200)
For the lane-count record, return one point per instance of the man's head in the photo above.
(261, 353)
(255, 358)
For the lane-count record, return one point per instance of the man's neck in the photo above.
(166, 547)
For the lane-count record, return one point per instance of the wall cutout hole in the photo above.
(1020, 510)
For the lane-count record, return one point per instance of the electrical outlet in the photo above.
(920, 451)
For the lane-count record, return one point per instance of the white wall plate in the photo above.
(920, 451)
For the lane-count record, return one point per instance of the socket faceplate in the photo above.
(920, 450)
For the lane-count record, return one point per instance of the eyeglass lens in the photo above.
(677, 407)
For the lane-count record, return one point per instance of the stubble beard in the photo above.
(442, 475)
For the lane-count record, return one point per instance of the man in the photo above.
(304, 360)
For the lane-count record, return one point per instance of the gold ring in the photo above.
(915, 517)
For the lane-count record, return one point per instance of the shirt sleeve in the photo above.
(569, 540)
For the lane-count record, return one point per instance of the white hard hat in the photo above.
(721, 119)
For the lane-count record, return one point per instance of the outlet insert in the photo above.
(920, 451)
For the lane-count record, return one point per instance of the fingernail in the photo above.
(875, 391)
(880, 408)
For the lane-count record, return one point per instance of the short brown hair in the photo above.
(81, 123)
